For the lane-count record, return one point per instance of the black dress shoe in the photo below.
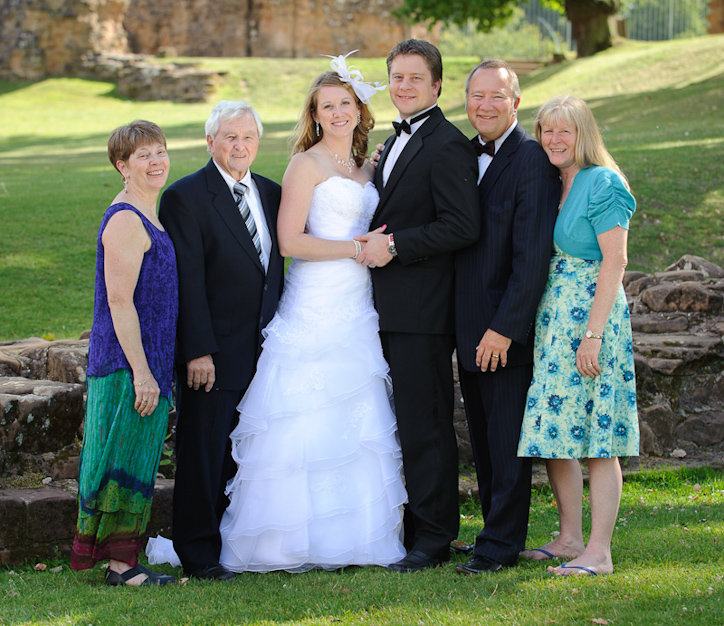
(416, 561)
(478, 565)
(214, 571)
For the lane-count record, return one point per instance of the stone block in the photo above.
(68, 362)
(665, 366)
(692, 262)
(51, 515)
(10, 365)
(680, 276)
(648, 443)
(647, 324)
(661, 420)
(702, 392)
(629, 277)
(704, 429)
(65, 469)
(686, 296)
(38, 415)
(635, 287)
(12, 518)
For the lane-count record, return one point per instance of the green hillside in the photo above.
(659, 105)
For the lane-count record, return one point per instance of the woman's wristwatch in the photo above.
(391, 247)
(591, 335)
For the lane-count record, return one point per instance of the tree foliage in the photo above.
(487, 13)
(589, 18)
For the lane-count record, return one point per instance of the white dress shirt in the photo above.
(399, 145)
(254, 202)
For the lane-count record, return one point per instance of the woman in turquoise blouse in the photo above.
(582, 401)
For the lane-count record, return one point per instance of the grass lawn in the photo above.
(659, 104)
(667, 554)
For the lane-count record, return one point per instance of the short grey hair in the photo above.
(227, 110)
(496, 64)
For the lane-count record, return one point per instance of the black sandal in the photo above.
(114, 579)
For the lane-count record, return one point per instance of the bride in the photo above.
(319, 481)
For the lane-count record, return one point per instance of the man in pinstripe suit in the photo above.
(499, 281)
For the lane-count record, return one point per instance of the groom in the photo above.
(426, 178)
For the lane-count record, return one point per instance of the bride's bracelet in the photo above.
(357, 248)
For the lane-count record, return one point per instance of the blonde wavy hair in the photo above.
(305, 133)
(589, 149)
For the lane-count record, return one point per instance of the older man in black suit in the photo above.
(499, 282)
(426, 180)
(222, 220)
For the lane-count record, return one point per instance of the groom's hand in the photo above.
(375, 156)
(375, 251)
(201, 372)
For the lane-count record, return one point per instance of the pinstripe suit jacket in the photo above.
(500, 279)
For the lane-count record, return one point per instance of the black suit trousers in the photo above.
(494, 406)
(421, 370)
(204, 465)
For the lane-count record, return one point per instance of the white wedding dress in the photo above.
(319, 481)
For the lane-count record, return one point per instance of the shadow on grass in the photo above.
(10, 86)
(542, 75)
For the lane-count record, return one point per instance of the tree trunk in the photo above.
(589, 21)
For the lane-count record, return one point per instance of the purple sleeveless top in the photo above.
(156, 301)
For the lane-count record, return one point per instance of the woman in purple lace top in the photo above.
(130, 364)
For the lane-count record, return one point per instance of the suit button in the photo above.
(266, 287)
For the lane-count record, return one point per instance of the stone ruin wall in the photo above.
(53, 37)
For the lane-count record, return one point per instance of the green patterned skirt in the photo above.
(118, 464)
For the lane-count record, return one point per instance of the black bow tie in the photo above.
(488, 148)
(404, 125)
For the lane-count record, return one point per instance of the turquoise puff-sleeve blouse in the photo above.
(598, 201)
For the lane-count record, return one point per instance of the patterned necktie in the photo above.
(240, 195)
(488, 148)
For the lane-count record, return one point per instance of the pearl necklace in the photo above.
(348, 164)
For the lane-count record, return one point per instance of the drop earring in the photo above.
(359, 118)
(317, 129)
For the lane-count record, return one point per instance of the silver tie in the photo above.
(240, 195)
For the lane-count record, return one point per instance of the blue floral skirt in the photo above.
(569, 416)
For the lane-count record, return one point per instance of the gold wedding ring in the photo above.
(496, 356)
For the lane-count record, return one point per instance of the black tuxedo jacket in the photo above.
(430, 205)
(500, 279)
(225, 298)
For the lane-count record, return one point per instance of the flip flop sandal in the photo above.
(549, 555)
(589, 572)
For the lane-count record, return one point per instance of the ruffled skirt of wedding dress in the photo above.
(319, 482)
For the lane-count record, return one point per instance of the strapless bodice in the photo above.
(341, 208)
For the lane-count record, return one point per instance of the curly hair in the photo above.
(305, 134)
